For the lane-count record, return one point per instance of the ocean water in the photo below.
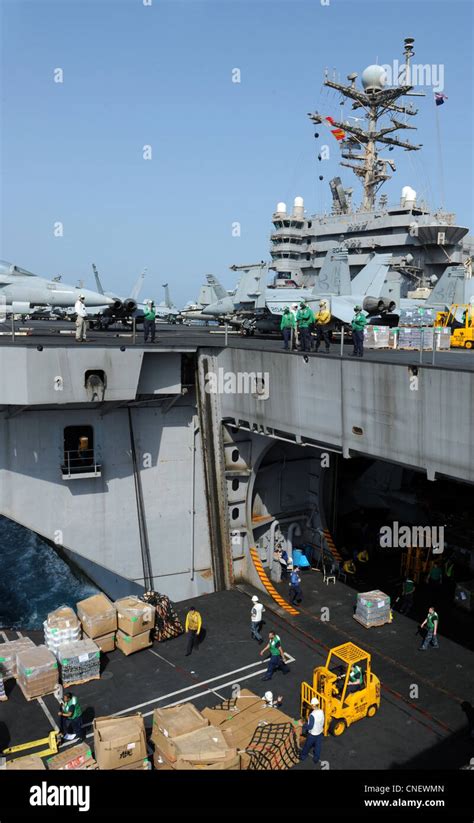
(34, 580)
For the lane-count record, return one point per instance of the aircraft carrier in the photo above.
(188, 491)
(206, 452)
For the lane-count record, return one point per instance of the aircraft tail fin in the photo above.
(167, 302)
(138, 285)
(334, 276)
(450, 287)
(97, 279)
(219, 290)
(371, 278)
(249, 287)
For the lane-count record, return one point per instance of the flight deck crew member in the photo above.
(305, 319)
(295, 587)
(431, 622)
(294, 312)
(192, 628)
(323, 318)
(149, 326)
(406, 600)
(314, 727)
(277, 658)
(358, 322)
(287, 325)
(81, 314)
(256, 619)
(70, 716)
(356, 680)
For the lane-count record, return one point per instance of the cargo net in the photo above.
(167, 622)
(273, 746)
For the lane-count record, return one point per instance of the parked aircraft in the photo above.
(256, 307)
(210, 292)
(21, 291)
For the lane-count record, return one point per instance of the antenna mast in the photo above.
(377, 101)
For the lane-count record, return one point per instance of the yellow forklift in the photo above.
(462, 331)
(341, 703)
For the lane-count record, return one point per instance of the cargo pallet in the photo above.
(79, 682)
(36, 696)
(372, 625)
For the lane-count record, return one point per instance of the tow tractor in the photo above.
(462, 331)
(342, 705)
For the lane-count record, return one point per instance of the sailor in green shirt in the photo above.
(287, 326)
(431, 623)
(406, 600)
(70, 716)
(358, 322)
(277, 656)
(355, 679)
(305, 319)
(149, 315)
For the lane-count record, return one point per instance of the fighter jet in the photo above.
(21, 290)
(166, 310)
(255, 307)
(210, 292)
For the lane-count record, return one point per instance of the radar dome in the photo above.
(408, 196)
(373, 78)
(281, 208)
(298, 207)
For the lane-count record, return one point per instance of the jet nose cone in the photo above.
(94, 298)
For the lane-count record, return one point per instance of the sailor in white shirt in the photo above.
(314, 727)
(256, 619)
(81, 314)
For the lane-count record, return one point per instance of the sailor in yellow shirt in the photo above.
(192, 628)
(323, 318)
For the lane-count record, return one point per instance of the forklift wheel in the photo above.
(372, 710)
(338, 726)
(468, 344)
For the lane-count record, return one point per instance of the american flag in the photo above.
(440, 98)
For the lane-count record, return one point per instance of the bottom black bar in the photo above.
(92, 795)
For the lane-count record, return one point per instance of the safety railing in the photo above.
(80, 463)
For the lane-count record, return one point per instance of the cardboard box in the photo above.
(173, 722)
(106, 643)
(30, 762)
(8, 653)
(161, 763)
(63, 619)
(231, 763)
(129, 645)
(75, 757)
(98, 615)
(205, 745)
(79, 662)
(134, 616)
(139, 765)
(119, 741)
(37, 671)
(239, 718)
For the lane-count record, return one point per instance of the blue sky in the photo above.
(222, 152)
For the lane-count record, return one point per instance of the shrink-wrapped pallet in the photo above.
(79, 662)
(61, 626)
(37, 671)
(373, 608)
